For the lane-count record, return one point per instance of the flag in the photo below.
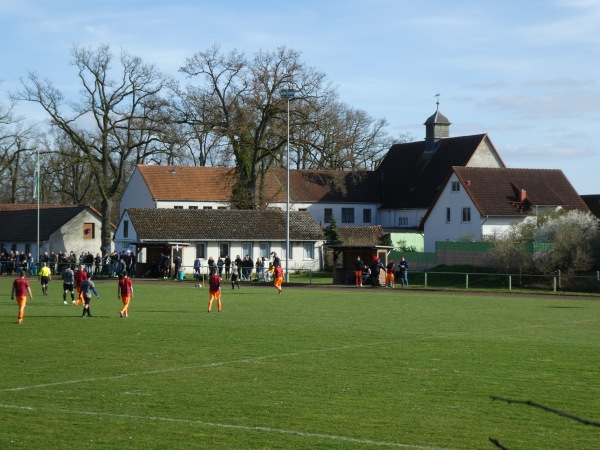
(36, 180)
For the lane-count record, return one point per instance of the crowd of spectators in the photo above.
(110, 264)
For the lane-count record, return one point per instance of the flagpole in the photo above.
(37, 193)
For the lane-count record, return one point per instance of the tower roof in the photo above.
(437, 119)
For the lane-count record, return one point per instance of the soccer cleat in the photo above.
(64, 302)
(121, 313)
(126, 316)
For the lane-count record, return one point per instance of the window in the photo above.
(126, 228)
(223, 249)
(193, 207)
(246, 249)
(455, 186)
(466, 214)
(447, 215)
(367, 215)
(283, 252)
(302, 209)
(264, 250)
(177, 207)
(402, 221)
(207, 207)
(201, 251)
(328, 215)
(222, 207)
(347, 215)
(309, 250)
(88, 231)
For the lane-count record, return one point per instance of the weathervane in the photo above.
(437, 102)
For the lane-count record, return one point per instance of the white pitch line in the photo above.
(230, 426)
(192, 367)
(259, 358)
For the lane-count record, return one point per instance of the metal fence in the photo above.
(471, 280)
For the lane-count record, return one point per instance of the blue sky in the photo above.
(525, 72)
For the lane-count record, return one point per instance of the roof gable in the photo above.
(412, 178)
(18, 223)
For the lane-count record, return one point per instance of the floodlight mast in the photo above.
(288, 94)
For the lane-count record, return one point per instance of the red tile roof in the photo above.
(496, 192)
(193, 183)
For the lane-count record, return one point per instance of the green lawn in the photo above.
(316, 367)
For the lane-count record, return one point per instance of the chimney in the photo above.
(523, 195)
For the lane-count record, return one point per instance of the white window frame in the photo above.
(247, 248)
(455, 186)
(264, 250)
(308, 250)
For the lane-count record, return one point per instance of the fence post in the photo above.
(467, 280)
(310, 276)
(510, 282)
(425, 279)
(554, 283)
(559, 283)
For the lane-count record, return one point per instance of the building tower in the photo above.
(436, 127)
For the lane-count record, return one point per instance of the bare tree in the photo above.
(115, 122)
(18, 146)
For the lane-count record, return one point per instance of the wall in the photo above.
(136, 194)
(437, 228)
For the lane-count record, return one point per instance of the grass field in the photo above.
(316, 367)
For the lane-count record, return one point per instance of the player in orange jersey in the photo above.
(20, 290)
(278, 277)
(125, 292)
(214, 291)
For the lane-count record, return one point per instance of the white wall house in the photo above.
(62, 228)
(477, 203)
(204, 233)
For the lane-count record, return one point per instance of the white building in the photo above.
(476, 203)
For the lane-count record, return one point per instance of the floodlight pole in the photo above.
(287, 94)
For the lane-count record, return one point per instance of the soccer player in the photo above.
(125, 293)
(235, 272)
(80, 275)
(45, 276)
(214, 291)
(87, 287)
(278, 276)
(358, 271)
(389, 274)
(20, 290)
(68, 281)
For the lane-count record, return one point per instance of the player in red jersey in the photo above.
(125, 293)
(214, 291)
(20, 290)
(80, 276)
